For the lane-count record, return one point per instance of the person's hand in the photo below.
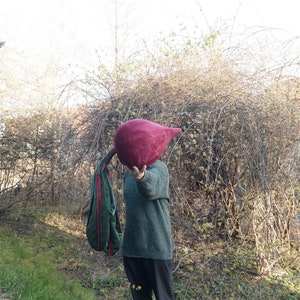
(136, 173)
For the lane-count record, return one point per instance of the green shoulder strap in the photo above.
(103, 229)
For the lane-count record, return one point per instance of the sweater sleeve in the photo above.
(155, 183)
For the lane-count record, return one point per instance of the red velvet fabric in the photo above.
(140, 142)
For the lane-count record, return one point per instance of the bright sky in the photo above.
(76, 29)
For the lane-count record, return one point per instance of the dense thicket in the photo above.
(234, 169)
(234, 166)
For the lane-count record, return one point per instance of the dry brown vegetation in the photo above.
(234, 170)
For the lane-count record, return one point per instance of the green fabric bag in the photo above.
(103, 229)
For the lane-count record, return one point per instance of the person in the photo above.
(147, 247)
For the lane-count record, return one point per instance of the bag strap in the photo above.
(108, 158)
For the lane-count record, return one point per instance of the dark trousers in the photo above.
(149, 275)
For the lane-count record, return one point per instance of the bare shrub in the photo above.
(235, 168)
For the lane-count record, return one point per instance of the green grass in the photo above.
(26, 274)
(29, 266)
(45, 255)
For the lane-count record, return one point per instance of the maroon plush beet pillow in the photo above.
(140, 142)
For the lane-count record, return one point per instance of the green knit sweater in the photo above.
(147, 231)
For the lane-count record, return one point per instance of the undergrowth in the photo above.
(45, 255)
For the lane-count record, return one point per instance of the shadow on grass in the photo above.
(41, 261)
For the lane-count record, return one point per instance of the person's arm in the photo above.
(152, 182)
